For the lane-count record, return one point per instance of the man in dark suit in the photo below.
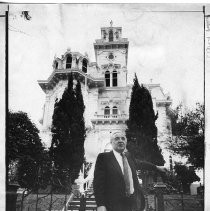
(115, 184)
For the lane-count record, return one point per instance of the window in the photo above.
(104, 32)
(114, 110)
(107, 78)
(114, 78)
(77, 61)
(56, 65)
(84, 65)
(110, 36)
(107, 111)
(117, 35)
(68, 61)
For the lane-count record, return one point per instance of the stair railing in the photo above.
(89, 179)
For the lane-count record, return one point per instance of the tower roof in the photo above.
(111, 34)
(111, 38)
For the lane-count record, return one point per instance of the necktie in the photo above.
(127, 175)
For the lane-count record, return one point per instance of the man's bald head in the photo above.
(118, 141)
(117, 133)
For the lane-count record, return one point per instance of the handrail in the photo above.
(89, 179)
(69, 200)
(106, 116)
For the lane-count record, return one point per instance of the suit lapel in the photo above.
(115, 163)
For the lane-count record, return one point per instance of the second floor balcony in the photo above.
(109, 118)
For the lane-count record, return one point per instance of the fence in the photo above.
(176, 202)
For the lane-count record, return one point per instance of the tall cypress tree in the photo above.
(141, 129)
(68, 134)
(78, 128)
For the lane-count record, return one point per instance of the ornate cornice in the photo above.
(62, 74)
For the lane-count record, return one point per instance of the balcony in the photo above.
(120, 40)
(112, 118)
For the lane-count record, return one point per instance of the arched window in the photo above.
(107, 111)
(104, 33)
(114, 110)
(84, 65)
(68, 61)
(56, 65)
(107, 78)
(110, 36)
(117, 35)
(114, 78)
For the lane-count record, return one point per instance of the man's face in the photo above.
(119, 142)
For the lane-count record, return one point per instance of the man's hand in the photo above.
(101, 208)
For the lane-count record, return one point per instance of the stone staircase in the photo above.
(83, 203)
(89, 193)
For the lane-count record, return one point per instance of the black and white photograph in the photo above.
(105, 106)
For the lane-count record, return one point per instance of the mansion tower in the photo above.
(105, 91)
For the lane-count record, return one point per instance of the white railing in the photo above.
(89, 179)
(88, 184)
(111, 116)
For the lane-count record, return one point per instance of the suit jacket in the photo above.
(109, 185)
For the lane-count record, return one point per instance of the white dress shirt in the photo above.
(120, 161)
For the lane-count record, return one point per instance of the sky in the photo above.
(165, 45)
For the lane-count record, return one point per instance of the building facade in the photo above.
(105, 91)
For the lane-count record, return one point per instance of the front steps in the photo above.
(83, 203)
